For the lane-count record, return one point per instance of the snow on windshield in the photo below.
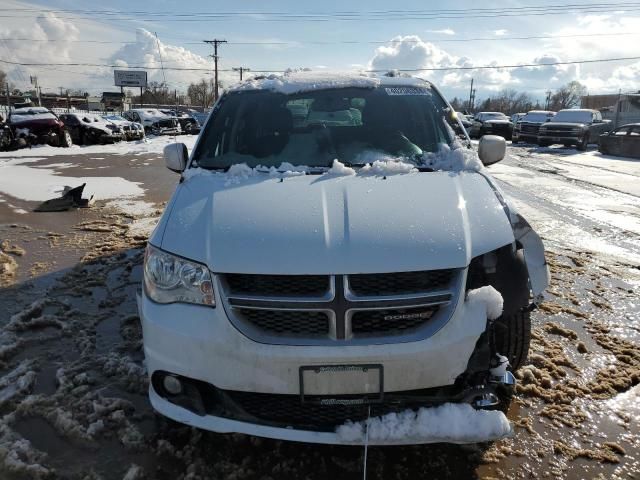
(573, 116)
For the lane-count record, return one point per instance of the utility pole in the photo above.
(215, 42)
(34, 81)
(241, 70)
(548, 102)
(472, 96)
(8, 103)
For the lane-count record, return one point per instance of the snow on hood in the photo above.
(28, 117)
(295, 81)
(456, 160)
(247, 221)
(451, 422)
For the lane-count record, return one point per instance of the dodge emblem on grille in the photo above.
(408, 316)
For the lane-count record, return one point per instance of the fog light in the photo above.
(172, 385)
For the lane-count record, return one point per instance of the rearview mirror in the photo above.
(175, 157)
(492, 149)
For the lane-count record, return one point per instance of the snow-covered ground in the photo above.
(151, 144)
(73, 386)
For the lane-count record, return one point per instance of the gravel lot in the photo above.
(72, 381)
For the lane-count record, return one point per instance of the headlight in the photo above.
(171, 279)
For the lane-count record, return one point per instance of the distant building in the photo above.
(599, 102)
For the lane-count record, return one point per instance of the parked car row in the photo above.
(570, 127)
(39, 125)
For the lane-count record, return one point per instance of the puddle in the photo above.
(46, 383)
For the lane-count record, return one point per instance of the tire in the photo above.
(582, 144)
(65, 139)
(512, 336)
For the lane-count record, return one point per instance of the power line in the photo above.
(342, 42)
(433, 69)
(379, 15)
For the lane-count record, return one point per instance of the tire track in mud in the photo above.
(73, 386)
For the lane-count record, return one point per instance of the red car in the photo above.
(39, 125)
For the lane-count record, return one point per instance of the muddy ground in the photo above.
(73, 382)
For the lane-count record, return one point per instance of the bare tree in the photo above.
(202, 93)
(3, 80)
(568, 96)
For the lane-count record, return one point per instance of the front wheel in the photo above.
(512, 336)
(65, 139)
(582, 144)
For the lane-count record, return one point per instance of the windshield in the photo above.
(573, 116)
(353, 125)
(536, 117)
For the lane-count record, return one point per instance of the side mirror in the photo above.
(175, 157)
(491, 149)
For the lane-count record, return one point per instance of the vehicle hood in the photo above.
(326, 224)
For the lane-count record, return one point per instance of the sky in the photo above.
(371, 34)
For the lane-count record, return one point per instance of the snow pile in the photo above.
(238, 172)
(303, 81)
(27, 182)
(286, 169)
(387, 167)
(627, 404)
(149, 144)
(489, 298)
(501, 369)
(339, 169)
(455, 160)
(451, 422)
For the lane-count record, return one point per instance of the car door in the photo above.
(614, 141)
(73, 127)
(631, 142)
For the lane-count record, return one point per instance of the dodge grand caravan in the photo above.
(319, 259)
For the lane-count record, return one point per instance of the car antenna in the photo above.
(164, 79)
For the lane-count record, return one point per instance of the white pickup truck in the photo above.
(320, 268)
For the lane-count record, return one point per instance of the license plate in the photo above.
(363, 383)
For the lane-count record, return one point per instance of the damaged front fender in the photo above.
(533, 255)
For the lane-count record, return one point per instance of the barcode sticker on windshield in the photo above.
(406, 91)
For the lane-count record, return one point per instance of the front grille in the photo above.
(325, 309)
(402, 283)
(528, 128)
(290, 411)
(286, 322)
(277, 285)
(390, 322)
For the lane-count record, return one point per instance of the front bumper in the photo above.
(559, 139)
(200, 343)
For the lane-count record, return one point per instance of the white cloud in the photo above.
(443, 31)
(151, 53)
(500, 33)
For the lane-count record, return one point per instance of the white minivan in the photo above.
(334, 253)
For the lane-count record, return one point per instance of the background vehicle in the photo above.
(200, 117)
(527, 128)
(516, 117)
(39, 125)
(243, 335)
(131, 130)
(491, 123)
(154, 121)
(577, 127)
(87, 129)
(623, 141)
